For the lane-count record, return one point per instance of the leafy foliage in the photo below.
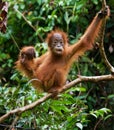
(82, 106)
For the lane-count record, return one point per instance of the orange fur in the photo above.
(49, 72)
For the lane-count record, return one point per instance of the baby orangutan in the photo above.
(49, 72)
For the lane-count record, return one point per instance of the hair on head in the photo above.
(50, 35)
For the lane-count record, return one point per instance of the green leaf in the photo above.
(79, 125)
(111, 96)
(95, 1)
(94, 115)
(100, 112)
(81, 89)
(110, 115)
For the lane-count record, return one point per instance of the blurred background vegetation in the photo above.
(87, 106)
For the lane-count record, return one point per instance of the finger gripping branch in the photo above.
(104, 12)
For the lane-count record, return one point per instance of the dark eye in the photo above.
(55, 41)
(61, 43)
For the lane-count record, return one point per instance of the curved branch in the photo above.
(101, 46)
(80, 79)
(103, 4)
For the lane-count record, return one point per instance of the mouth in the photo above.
(58, 51)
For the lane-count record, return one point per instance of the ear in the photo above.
(49, 38)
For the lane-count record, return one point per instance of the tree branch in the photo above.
(80, 79)
(41, 39)
(102, 51)
(101, 46)
(103, 4)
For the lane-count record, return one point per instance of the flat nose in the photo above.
(58, 45)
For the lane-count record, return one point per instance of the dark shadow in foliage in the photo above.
(3, 16)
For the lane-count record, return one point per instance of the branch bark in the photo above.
(80, 79)
(101, 46)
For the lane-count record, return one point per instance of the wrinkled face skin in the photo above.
(57, 45)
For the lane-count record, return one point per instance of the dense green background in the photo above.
(82, 107)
